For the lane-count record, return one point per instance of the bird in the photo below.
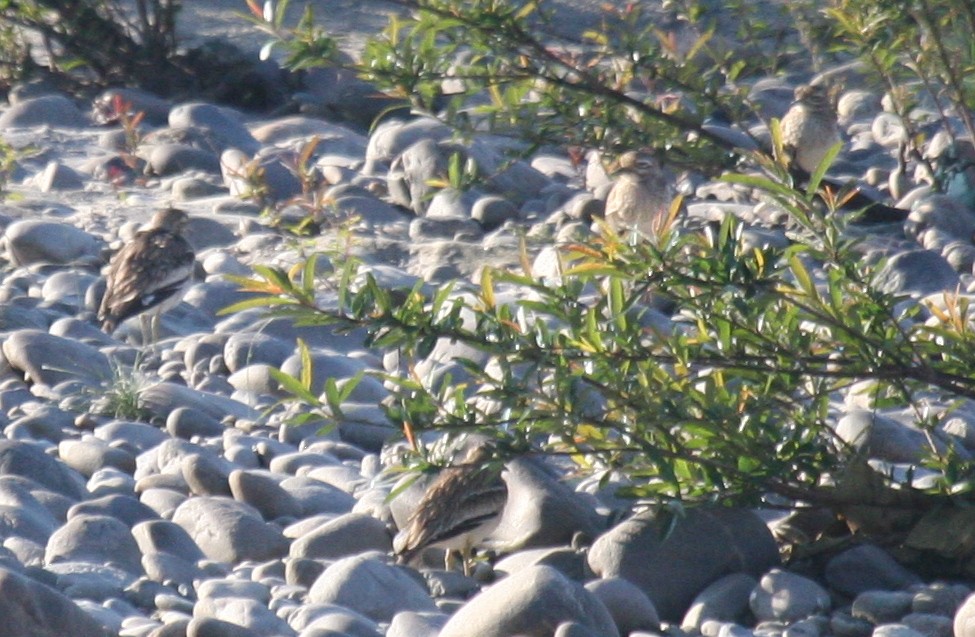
(641, 196)
(809, 128)
(809, 131)
(147, 276)
(459, 508)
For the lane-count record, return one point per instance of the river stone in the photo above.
(964, 623)
(175, 574)
(787, 597)
(392, 137)
(110, 481)
(248, 613)
(262, 490)
(48, 359)
(725, 600)
(530, 602)
(97, 539)
(213, 627)
(895, 630)
(493, 211)
(367, 585)
(631, 609)
(29, 461)
(57, 176)
(411, 624)
(247, 348)
(917, 272)
(187, 423)
(163, 398)
(928, 625)
(236, 166)
(317, 497)
(229, 531)
(27, 520)
(541, 511)
(885, 438)
(303, 128)
(34, 241)
(222, 123)
(418, 168)
(882, 607)
(124, 508)
(331, 619)
(89, 454)
(47, 422)
(515, 180)
(136, 436)
(206, 473)
(565, 559)
(343, 536)
(163, 536)
(700, 547)
(939, 598)
(55, 111)
(867, 567)
(30, 608)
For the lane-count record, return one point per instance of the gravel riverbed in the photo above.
(210, 516)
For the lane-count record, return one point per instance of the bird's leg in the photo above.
(145, 322)
(467, 557)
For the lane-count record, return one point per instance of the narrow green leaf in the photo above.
(262, 301)
(820, 172)
(294, 387)
(802, 275)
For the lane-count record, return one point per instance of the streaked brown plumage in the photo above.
(460, 507)
(147, 276)
(809, 127)
(641, 195)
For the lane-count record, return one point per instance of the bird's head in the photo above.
(640, 162)
(172, 219)
(818, 97)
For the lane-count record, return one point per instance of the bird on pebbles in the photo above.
(809, 131)
(459, 509)
(641, 196)
(809, 128)
(148, 275)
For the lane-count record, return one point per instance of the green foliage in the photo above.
(917, 51)
(734, 401)
(307, 45)
(119, 396)
(9, 161)
(112, 40)
(736, 397)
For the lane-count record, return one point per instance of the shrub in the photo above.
(735, 398)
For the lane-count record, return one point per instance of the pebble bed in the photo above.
(211, 518)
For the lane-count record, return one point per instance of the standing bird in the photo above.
(147, 276)
(461, 507)
(641, 196)
(809, 128)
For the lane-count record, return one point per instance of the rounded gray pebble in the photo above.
(229, 531)
(882, 607)
(356, 582)
(784, 596)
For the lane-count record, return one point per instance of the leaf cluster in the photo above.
(735, 399)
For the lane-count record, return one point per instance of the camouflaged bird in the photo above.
(460, 508)
(148, 275)
(641, 196)
(809, 128)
